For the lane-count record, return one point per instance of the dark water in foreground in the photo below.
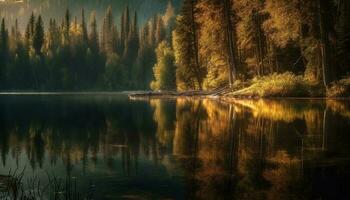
(181, 149)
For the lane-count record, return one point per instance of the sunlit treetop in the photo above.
(21, 9)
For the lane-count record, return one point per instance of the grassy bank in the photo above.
(279, 85)
(290, 85)
(340, 88)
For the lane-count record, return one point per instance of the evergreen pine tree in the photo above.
(109, 34)
(4, 52)
(93, 36)
(126, 22)
(38, 38)
(84, 29)
(160, 30)
(66, 29)
(30, 31)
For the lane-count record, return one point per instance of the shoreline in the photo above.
(57, 93)
(144, 95)
(172, 95)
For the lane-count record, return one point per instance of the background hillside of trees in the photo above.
(75, 54)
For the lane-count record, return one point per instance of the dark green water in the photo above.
(180, 149)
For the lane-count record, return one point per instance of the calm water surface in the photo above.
(180, 148)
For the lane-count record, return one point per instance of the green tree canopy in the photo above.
(164, 69)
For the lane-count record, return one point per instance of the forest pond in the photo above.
(180, 148)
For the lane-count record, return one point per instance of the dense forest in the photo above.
(258, 47)
(75, 54)
(267, 47)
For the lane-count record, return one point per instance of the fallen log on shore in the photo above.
(173, 94)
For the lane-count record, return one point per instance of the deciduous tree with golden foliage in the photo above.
(248, 39)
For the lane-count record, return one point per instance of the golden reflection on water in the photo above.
(247, 149)
(261, 148)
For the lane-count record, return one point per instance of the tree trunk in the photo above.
(259, 42)
(273, 62)
(301, 37)
(195, 44)
(232, 42)
(325, 46)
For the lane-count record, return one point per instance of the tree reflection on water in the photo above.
(183, 148)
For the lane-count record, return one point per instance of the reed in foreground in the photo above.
(15, 187)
